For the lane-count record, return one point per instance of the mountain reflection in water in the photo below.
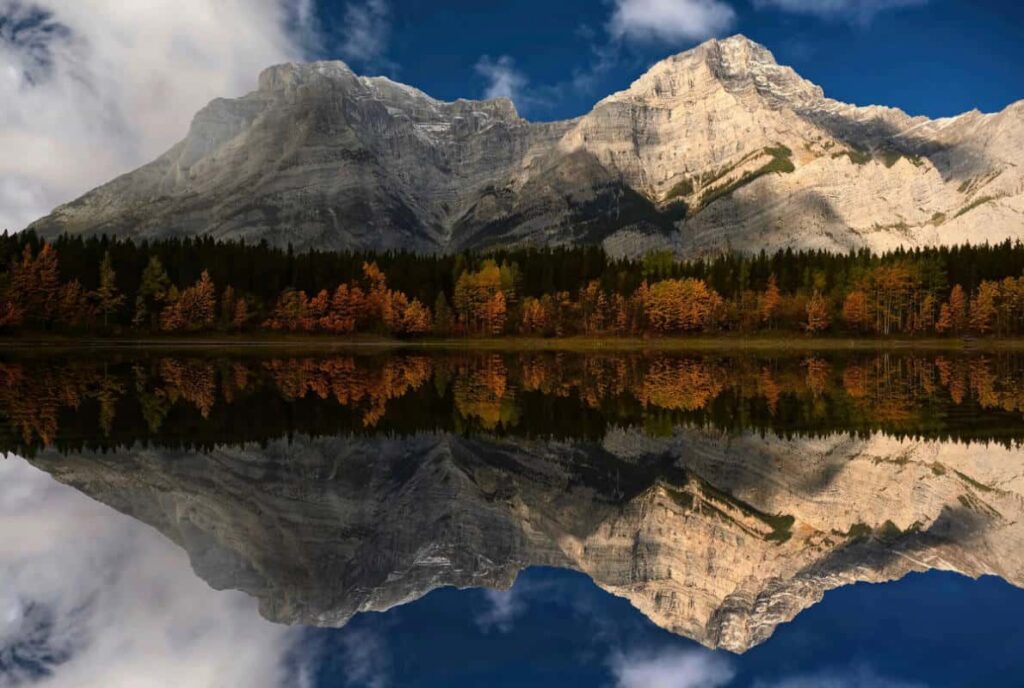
(721, 496)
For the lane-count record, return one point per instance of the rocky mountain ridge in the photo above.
(719, 538)
(715, 148)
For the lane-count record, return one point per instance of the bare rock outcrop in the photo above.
(718, 538)
(718, 147)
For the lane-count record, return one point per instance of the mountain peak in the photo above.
(758, 155)
(739, 65)
(736, 53)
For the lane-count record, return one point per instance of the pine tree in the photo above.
(108, 298)
(442, 315)
(74, 308)
(154, 290)
(227, 305)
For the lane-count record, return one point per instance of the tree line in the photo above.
(205, 401)
(103, 285)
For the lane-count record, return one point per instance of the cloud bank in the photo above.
(670, 21)
(94, 599)
(672, 669)
(366, 32)
(504, 80)
(860, 11)
(366, 659)
(503, 606)
(89, 90)
(860, 677)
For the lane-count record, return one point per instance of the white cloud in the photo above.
(503, 606)
(366, 31)
(366, 659)
(92, 598)
(672, 669)
(862, 677)
(504, 80)
(89, 90)
(861, 11)
(670, 21)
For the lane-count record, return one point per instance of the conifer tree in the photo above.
(227, 305)
(442, 315)
(154, 290)
(108, 298)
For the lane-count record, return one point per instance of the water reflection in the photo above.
(93, 599)
(720, 496)
(201, 401)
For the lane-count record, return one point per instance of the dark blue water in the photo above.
(934, 629)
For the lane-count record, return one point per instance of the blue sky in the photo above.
(931, 57)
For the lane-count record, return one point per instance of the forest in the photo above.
(101, 286)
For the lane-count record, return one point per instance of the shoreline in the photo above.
(704, 344)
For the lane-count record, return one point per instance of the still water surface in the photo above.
(449, 518)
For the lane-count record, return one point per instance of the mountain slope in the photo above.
(718, 147)
(716, 537)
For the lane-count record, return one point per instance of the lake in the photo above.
(439, 517)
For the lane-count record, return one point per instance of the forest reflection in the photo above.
(202, 400)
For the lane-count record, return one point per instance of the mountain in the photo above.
(717, 147)
(718, 537)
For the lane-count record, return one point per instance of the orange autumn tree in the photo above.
(958, 309)
(347, 310)
(984, 310)
(476, 300)
(291, 313)
(193, 309)
(395, 310)
(944, 323)
(817, 314)
(350, 307)
(240, 316)
(533, 319)
(855, 311)
(35, 286)
(768, 302)
(684, 305)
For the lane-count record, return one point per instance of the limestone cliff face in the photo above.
(718, 147)
(717, 538)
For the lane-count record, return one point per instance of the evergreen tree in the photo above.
(227, 305)
(442, 315)
(153, 292)
(108, 298)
